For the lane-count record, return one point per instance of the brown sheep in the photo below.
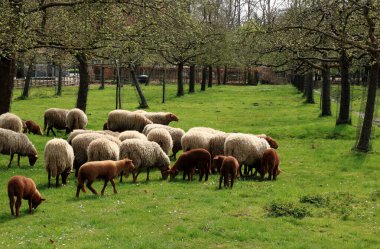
(106, 170)
(23, 188)
(217, 163)
(230, 166)
(33, 127)
(269, 164)
(189, 161)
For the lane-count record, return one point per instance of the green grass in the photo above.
(327, 195)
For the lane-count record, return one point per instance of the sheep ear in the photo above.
(216, 157)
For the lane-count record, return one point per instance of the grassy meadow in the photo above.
(326, 197)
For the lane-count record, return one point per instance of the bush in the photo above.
(287, 209)
(316, 200)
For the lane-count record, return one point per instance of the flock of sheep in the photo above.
(130, 142)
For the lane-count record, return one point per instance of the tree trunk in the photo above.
(60, 75)
(309, 89)
(225, 75)
(84, 79)
(180, 79)
(143, 102)
(218, 75)
(344, 111)
(255, 77)
(326, 90)
(7, 72)
(204, 77)
(101, 78)
(209, 76)
(365, 133)
(192, 79)
(250, 78)
(25, 92)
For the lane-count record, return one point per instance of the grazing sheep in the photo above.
(17, 143)
(273, 144)
(246, 148)
(269, 164)
(24, 128)
(189, 161)
(217, 163)
(33, 127)
(106, 170)
(23, 188)
(80, 145)
(75, 119)
(55, 118)
(131, 134)
(102, 149)
(230, 166)
(121, 120)
(75, 133)
(163, 138)
(145, 154)
(204, 129)
(175, 133)
(11, 121)
(196, 139)
(59, 158)
(163, 118)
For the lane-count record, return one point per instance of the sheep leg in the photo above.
(226, 180)
(233, 175)
(89, 183)
(113, 185)
(245, 169)
(184, 175)
(18, 160)
(57, 181)
(51, 128)
(220, 181)
(147, 173)
(135, 176)
(241, 174)
(201, 172)
(30, 204)
(121, 177)
(10, 161)
(192, 173)
(78, 189)
(49, 176)
(207, 172)
(18, 205)
(105, 185)
(12, 203)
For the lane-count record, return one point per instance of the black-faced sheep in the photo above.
(23, 188)
(17, 143)
(11, 121)
(55, 118)
(59, 158)
(145, 154)
(106, 170)
(189, 161)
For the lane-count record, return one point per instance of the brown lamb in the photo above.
(33, 127)
(106, 170)
(269, 164)
(217, 162)
(230, 166)
(189, 161)
(23, 188)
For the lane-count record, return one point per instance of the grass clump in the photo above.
(280, 209)
(316, 200)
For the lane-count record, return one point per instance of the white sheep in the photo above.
(17, 143)
(145, 154)
(248, 149)
(76, 132)
(55, 118)
(204, 129)
(103, 149)
(121, 120)
(163, 138)
(175, 133)
(75, 119)
(196, 140)
(131, 134)
(11, 121)
(163, 118)
(80, 145)
(59, 159)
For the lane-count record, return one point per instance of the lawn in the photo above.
(326, 197)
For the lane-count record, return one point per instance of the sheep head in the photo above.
(32, 159)
(37, 200)
(273, 144)
(172, 117)
(165, 172)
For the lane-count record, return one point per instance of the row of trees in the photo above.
(300, 37)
